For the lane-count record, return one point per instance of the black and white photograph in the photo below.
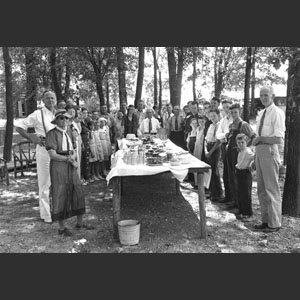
(149, 149)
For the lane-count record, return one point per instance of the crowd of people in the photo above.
(74, 148)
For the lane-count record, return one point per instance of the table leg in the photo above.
(201, 198)
(116, 203)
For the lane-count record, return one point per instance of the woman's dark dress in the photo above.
(67, 195)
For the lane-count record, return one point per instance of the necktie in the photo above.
(176, 124)
(261, 123)
(150, 126)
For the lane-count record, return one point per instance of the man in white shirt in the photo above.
(40, 120)
(166, 117)
(150, 125)
(222, 130)
(140, 111)
(270, 133)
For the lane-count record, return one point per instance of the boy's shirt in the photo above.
(211, 133)
(244, 159)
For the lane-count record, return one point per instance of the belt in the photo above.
(66, 153)
(242, 170)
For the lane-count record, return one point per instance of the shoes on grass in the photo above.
(84, 226)
(65, 232)
(270, 230)
(261, 226)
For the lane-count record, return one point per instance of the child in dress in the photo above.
(106, 145)
(93, 151)
(244, 178)
(99, 152)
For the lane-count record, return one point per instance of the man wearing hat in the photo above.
(40, 120)
(150, 125)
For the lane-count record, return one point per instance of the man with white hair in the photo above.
(270, 133)
(150, 125)
(41, 120)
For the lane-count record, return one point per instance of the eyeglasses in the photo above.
(61, 118)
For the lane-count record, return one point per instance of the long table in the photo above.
(120, 169)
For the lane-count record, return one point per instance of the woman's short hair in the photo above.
(242, 136)
(235, 106)
(215, 110)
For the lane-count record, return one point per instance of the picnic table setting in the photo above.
(151, 155)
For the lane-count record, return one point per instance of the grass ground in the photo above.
(169, 222)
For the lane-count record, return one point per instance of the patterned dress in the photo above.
(105, 142)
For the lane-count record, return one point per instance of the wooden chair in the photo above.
(4, 171)
(24, 154)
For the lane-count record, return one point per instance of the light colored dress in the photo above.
(105, 142)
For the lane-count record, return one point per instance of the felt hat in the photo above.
(61, 112)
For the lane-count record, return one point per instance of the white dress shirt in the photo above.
(223, 127)
(211, 133)
(144, 127)
(35, 120)
(274, 123)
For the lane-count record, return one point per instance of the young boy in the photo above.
(244, 178)
(213, 154)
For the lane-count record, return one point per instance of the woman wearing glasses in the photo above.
(67, 194)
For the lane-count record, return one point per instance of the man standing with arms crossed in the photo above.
(270, 133)
(40, 120)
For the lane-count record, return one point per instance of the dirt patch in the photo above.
(169, 222)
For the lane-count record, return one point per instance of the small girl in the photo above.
(244, 178)
(93, 151)
(99, 152)
(106, 145)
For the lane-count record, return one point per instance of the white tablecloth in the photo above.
(119, 168)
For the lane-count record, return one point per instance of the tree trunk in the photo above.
(172, 74)
(9, 105)
(179, 75)
(160, 90)
(155, 76)
(68, 78)
(107, 97)
(219, 73)
(122, 74)
(55, 81)
(221, 65)
(140, 78)
(99, 88)
(31, 81)
(194, 73)
(253, 84)
(247, 84)
(291, 194)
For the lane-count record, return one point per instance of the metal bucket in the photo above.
(129, 232)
